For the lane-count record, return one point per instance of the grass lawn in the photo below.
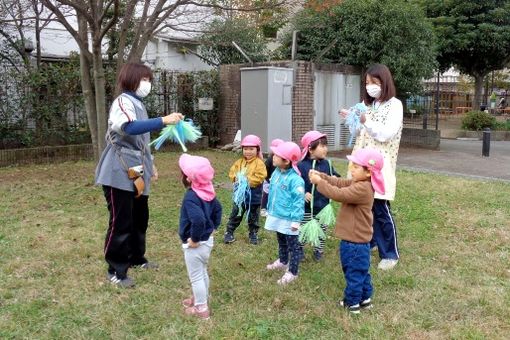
(453, 280)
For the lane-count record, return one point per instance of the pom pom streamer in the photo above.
(311, 232)
(241, 191)
(327, 215)
(182, 132)
(353, 120)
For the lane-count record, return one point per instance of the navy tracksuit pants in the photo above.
(385, 230)
(124, 244)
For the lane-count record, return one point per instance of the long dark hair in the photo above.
(382, 73)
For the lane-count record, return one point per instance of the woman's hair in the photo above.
(130, 75)
(382, 73)
(321, 141)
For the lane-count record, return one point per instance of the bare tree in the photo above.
(16, 20)
(94, 20)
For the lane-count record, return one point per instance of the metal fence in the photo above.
(47, 108)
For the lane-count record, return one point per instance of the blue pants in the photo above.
(385, 230)
(355, 261)
(289, 245)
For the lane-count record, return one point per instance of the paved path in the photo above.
(458, 158)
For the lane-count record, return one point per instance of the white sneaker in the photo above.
(263, 212)
(277, 265)
(387, 264)
(287, 278)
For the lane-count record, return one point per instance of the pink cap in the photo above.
(200, 173)
(276, 142)
(252, 140)
(308, 138)
(373, 161)
(289, 151)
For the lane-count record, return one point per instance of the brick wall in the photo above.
(426, 139)
(302, 95)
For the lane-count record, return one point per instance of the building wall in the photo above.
(302, 96)
(166, 55)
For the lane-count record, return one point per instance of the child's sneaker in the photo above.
(127, 282)
(317, 255)
(201, 311)
(149, 265)
(253, 238)
(366, 304)
(263, 212)
(276, 265)
(228, 238)
(189, 302)
(287, 278)
(387, 264)
(353, 309)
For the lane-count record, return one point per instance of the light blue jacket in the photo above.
(286, 195)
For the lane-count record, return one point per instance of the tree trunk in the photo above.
(477, 98)
(87, 88)
(99, 87)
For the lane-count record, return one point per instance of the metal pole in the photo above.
(294, 45)
(486, 145)
(437, 101)
(242, 52)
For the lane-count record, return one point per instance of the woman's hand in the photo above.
(172, 118)
(362, 118)
(155, 174)
(343, 113)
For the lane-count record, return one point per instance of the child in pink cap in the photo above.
(269, 169)
(256, 173)
(354, 222)
(200, 216)
(285, 208)
(314, 157)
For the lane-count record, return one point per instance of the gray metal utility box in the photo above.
(266, 103)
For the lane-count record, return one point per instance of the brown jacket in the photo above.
(354, 220)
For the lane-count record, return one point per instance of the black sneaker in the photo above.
(228, 238)
(317, 255)
(354, 309)
(127, 282)
(366, 304)
(110, 276)
(253, 238)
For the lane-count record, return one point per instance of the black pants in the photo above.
(236, 218)
(125, 239)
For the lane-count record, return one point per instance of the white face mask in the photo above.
(143, 89)
(373, 90)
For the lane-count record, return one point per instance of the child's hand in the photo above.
(308, 197)
(343, 113)
(192, 244)
(294, 226)
(314, 176)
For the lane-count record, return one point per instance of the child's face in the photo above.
(280, 162)
(320, 152)
(249, 152)
(358, 172)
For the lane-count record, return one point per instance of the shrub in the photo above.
(478, 120)
(502, 126)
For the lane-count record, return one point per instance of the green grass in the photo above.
(453, 280)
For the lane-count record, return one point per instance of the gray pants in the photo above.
(196, 263)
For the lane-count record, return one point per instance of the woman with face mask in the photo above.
(381, 129)
(125, 171)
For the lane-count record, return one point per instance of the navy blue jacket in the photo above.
(199, 218)
(319, 200)
(269, 166)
